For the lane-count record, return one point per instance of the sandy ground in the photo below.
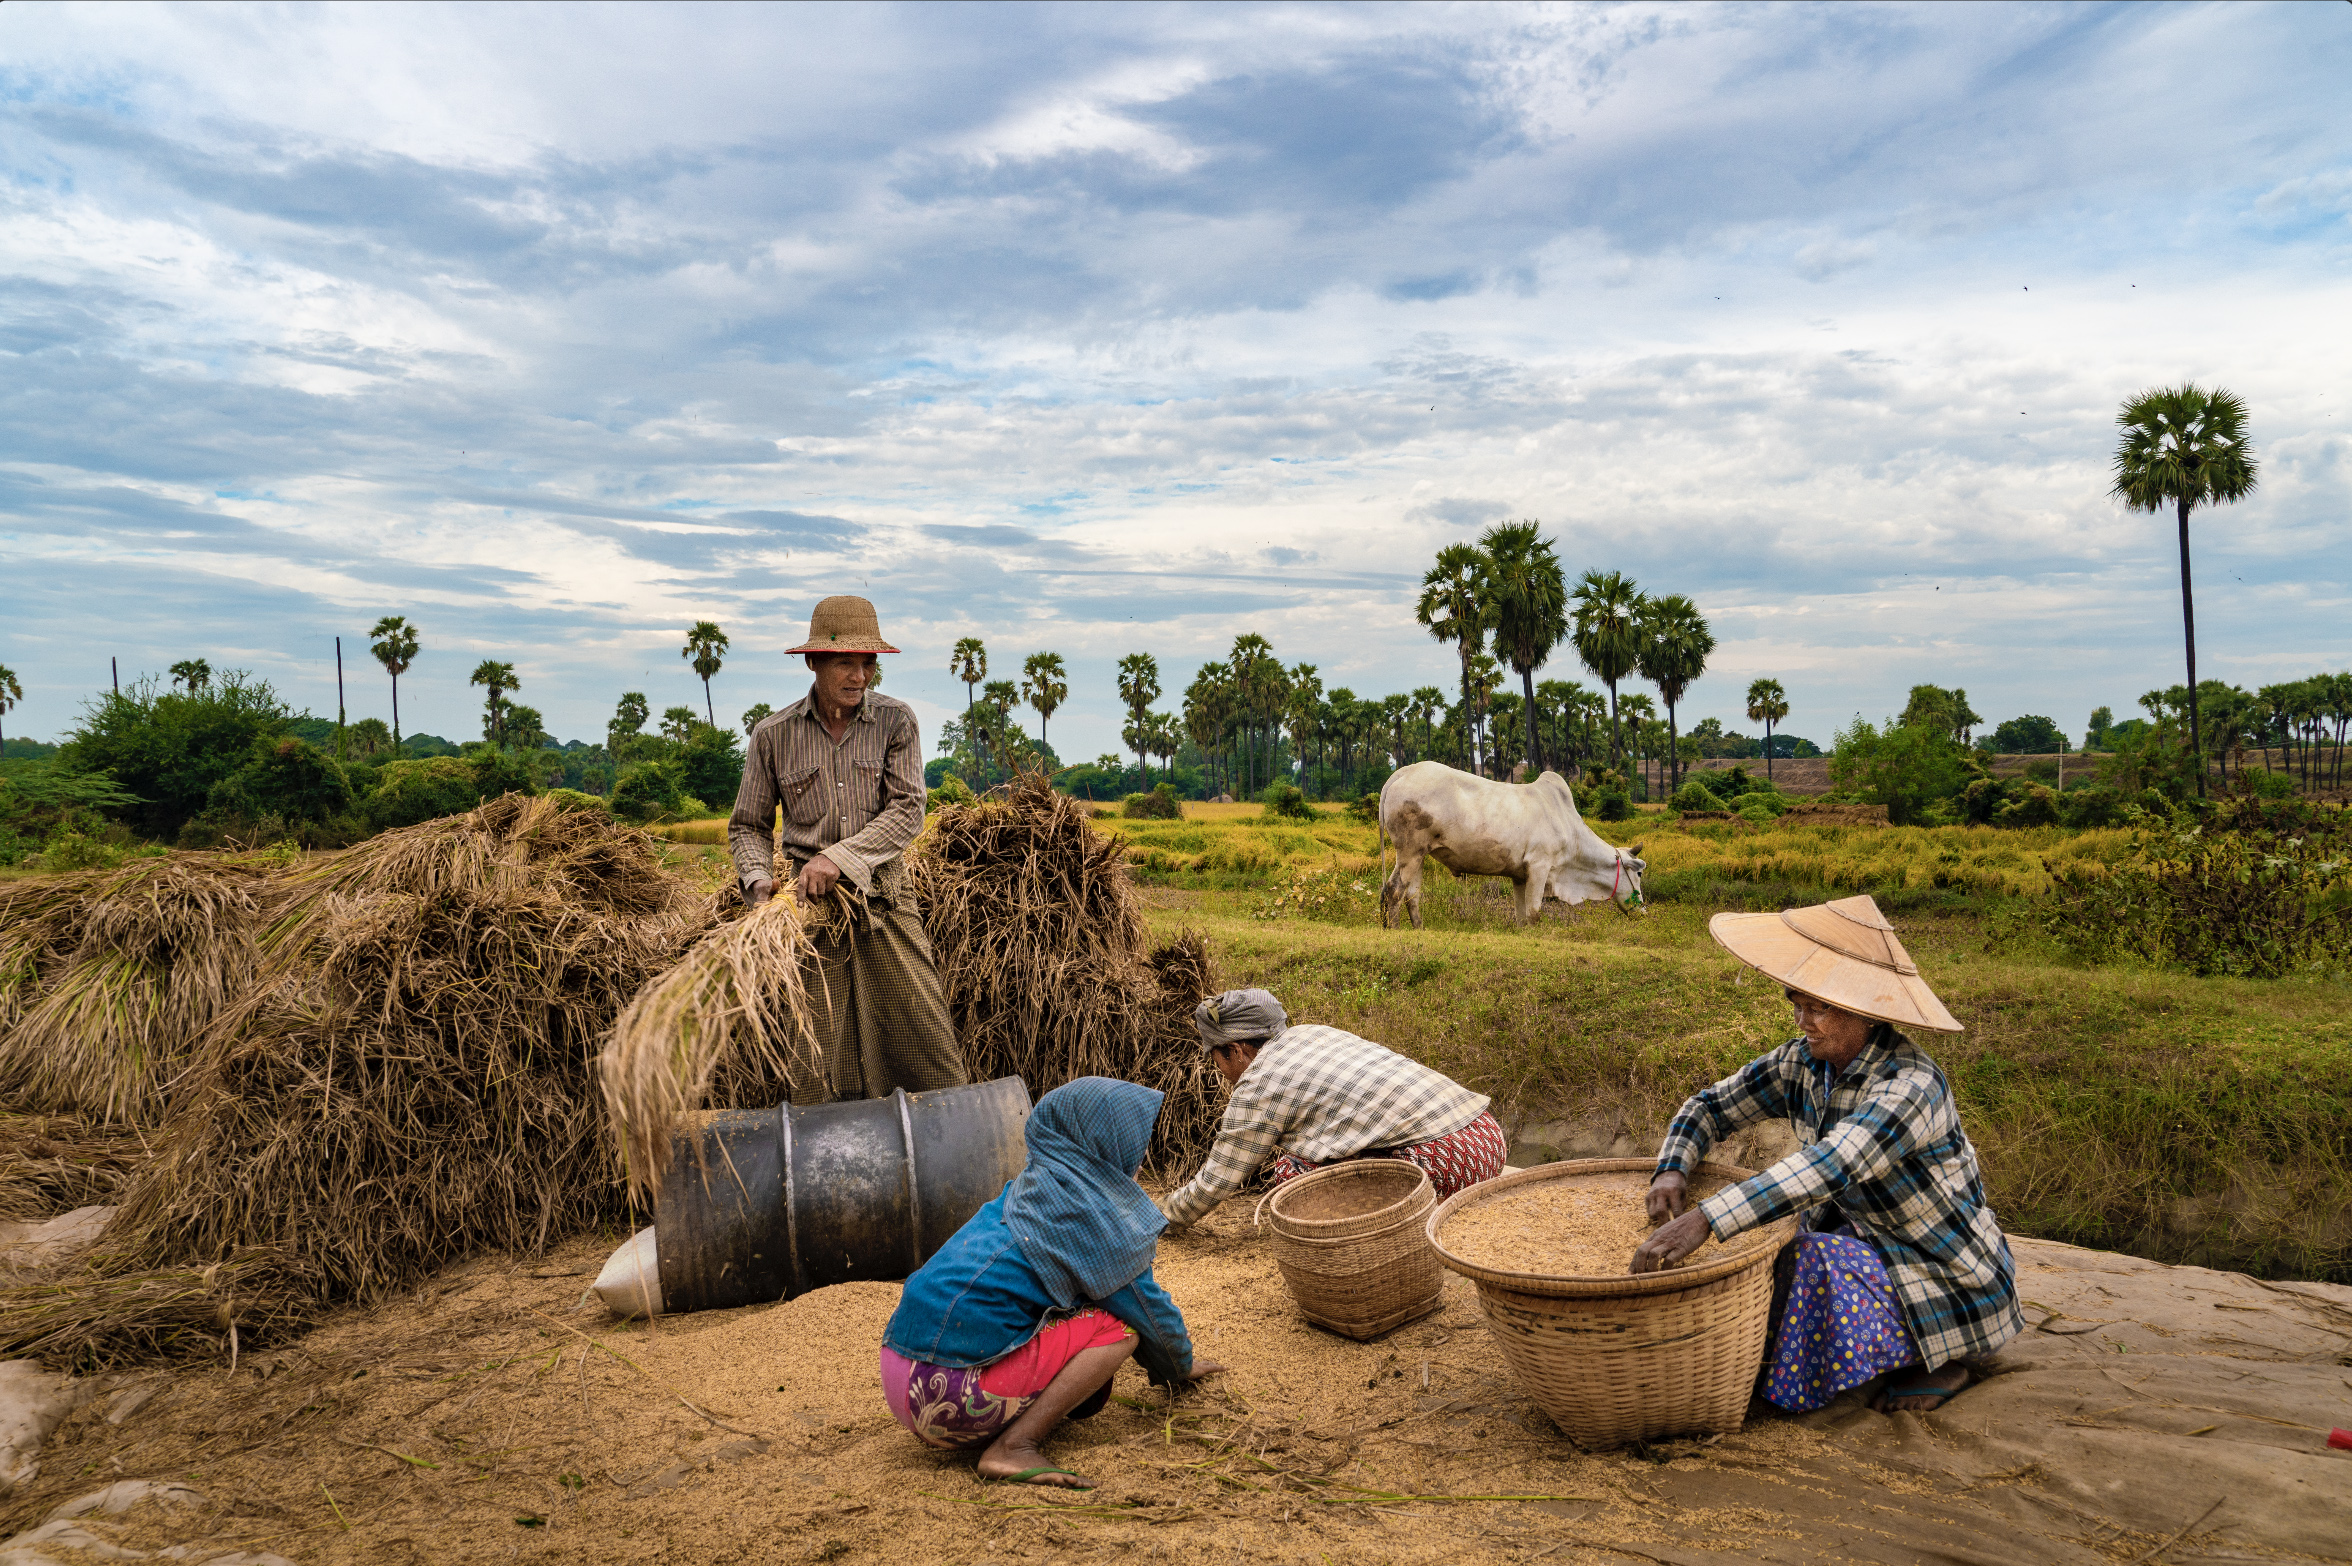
(2154, 1413)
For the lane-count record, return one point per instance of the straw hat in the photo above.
(1844, 953)
(843, 624)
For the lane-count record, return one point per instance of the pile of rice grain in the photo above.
(1565, 1229)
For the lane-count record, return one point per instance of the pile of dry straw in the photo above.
(320, 1082)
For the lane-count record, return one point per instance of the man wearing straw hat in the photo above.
(1898, 1268)
(843, 768)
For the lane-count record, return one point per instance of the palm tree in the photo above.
(1527, 598)
(1450, 607)
(1302, 708)
(395, 647)
(1163, 738)
(628, 721)
(677, 724)
(753, 716)
(1139, 687)
(527, 726)
(1767, 704)
(704, 644)
(1257, 689)
(497, 678)
(968, 662)
(1428, 702)
(2183, 447)
(1675, 643)
(1606, 603)
(192, 673)
(11, 692)
(1207, 704)
(1043, 685)
(1639, 710)
(1485, 676)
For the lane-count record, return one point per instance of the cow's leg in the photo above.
(1392, 890)
(1413, 892)
(1530, 895)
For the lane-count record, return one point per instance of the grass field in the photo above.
(2183, 1118)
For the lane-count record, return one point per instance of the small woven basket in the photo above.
(1623, 1358)
(1352, 1241)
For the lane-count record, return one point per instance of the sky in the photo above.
(1106, 329)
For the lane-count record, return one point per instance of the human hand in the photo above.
(1669, 1194)
(760, 892)
(1672, 1243)
(817, 878)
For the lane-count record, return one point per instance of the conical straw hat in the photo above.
(1844, 953)
(843, 624)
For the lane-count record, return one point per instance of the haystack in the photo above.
(1034, 923)
(107, 978)
(407, 1078)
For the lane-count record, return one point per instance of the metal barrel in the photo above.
(776, 1202)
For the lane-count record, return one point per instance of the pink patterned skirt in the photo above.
(1455, 1162)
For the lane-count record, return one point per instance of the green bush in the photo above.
(2093, 805)
(1365, 809)
(1694, 795)
(1161, 804)
(412, 791)
(1612, 805)
(287, 778)
(73, 851)
(649, 791)
(168, 749)
(2274, 785)
(573, 799)
(1284, 802)
(952, 790)
(1905, 767)
(1773, 805)
(2030, 806)
(710, 766)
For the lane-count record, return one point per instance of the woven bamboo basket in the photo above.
(1622, 1358)
(1352, 1241)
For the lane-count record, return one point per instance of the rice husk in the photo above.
(1565, 1229)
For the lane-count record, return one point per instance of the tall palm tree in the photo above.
(1642, 714)
(1605, 604)
(704, 644)
(628, 721)
(1428, 702)
(192, 673)
(754, 715)
(1485, 676)
(998, 698)
(1527, 598)
(11, 692)
(497, 678)
(2184, 447)
(1207, 705)
(1449, 606)
(395, 647)
(1300, 707)
(1675, 644)
(1044, 683)
(1767, 704)
(1139, 687)
(968, 662)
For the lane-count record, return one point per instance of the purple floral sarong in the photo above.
(1842, 1324)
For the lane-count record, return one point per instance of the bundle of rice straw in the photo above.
(107, 977)
(407, 1079)
(52, 1163)
(1035, 927)
(729, 1024)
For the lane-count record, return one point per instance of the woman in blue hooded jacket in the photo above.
(1021, 1320)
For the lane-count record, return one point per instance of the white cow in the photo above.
(1529, 832)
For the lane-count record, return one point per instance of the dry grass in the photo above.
(107, 977)
(52, 1163)
(1049, 972)
(729, 1023)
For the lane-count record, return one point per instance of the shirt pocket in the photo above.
(865, 797)
(803, 796)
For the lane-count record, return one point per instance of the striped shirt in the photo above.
(1883, 1140)
(860, 801)
(1318, 1094)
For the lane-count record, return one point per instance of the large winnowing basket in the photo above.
(1353, 1244)
(1622, 1358)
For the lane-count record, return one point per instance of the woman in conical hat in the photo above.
(1899, 1268)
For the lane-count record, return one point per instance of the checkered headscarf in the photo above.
(1238, 1014)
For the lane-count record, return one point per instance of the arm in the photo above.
(1163, 1348)
(898, 815)
(751, 830)
(1758, 1091)
(1884, 1130)
(1246, 1138)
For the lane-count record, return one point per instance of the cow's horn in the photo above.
(1634, 852)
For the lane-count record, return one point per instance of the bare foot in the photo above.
(1004, 1460)
(1925, 1390)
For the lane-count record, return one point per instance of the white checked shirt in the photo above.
(1318, 1094)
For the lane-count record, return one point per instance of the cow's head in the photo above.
(1606, 874)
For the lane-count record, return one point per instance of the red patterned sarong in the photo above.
(1455, 1161)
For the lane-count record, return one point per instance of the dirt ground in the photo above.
(2153, 1414)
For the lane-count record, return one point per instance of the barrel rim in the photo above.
(1672, 1280)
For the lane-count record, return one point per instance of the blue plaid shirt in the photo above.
(1883, 1140)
